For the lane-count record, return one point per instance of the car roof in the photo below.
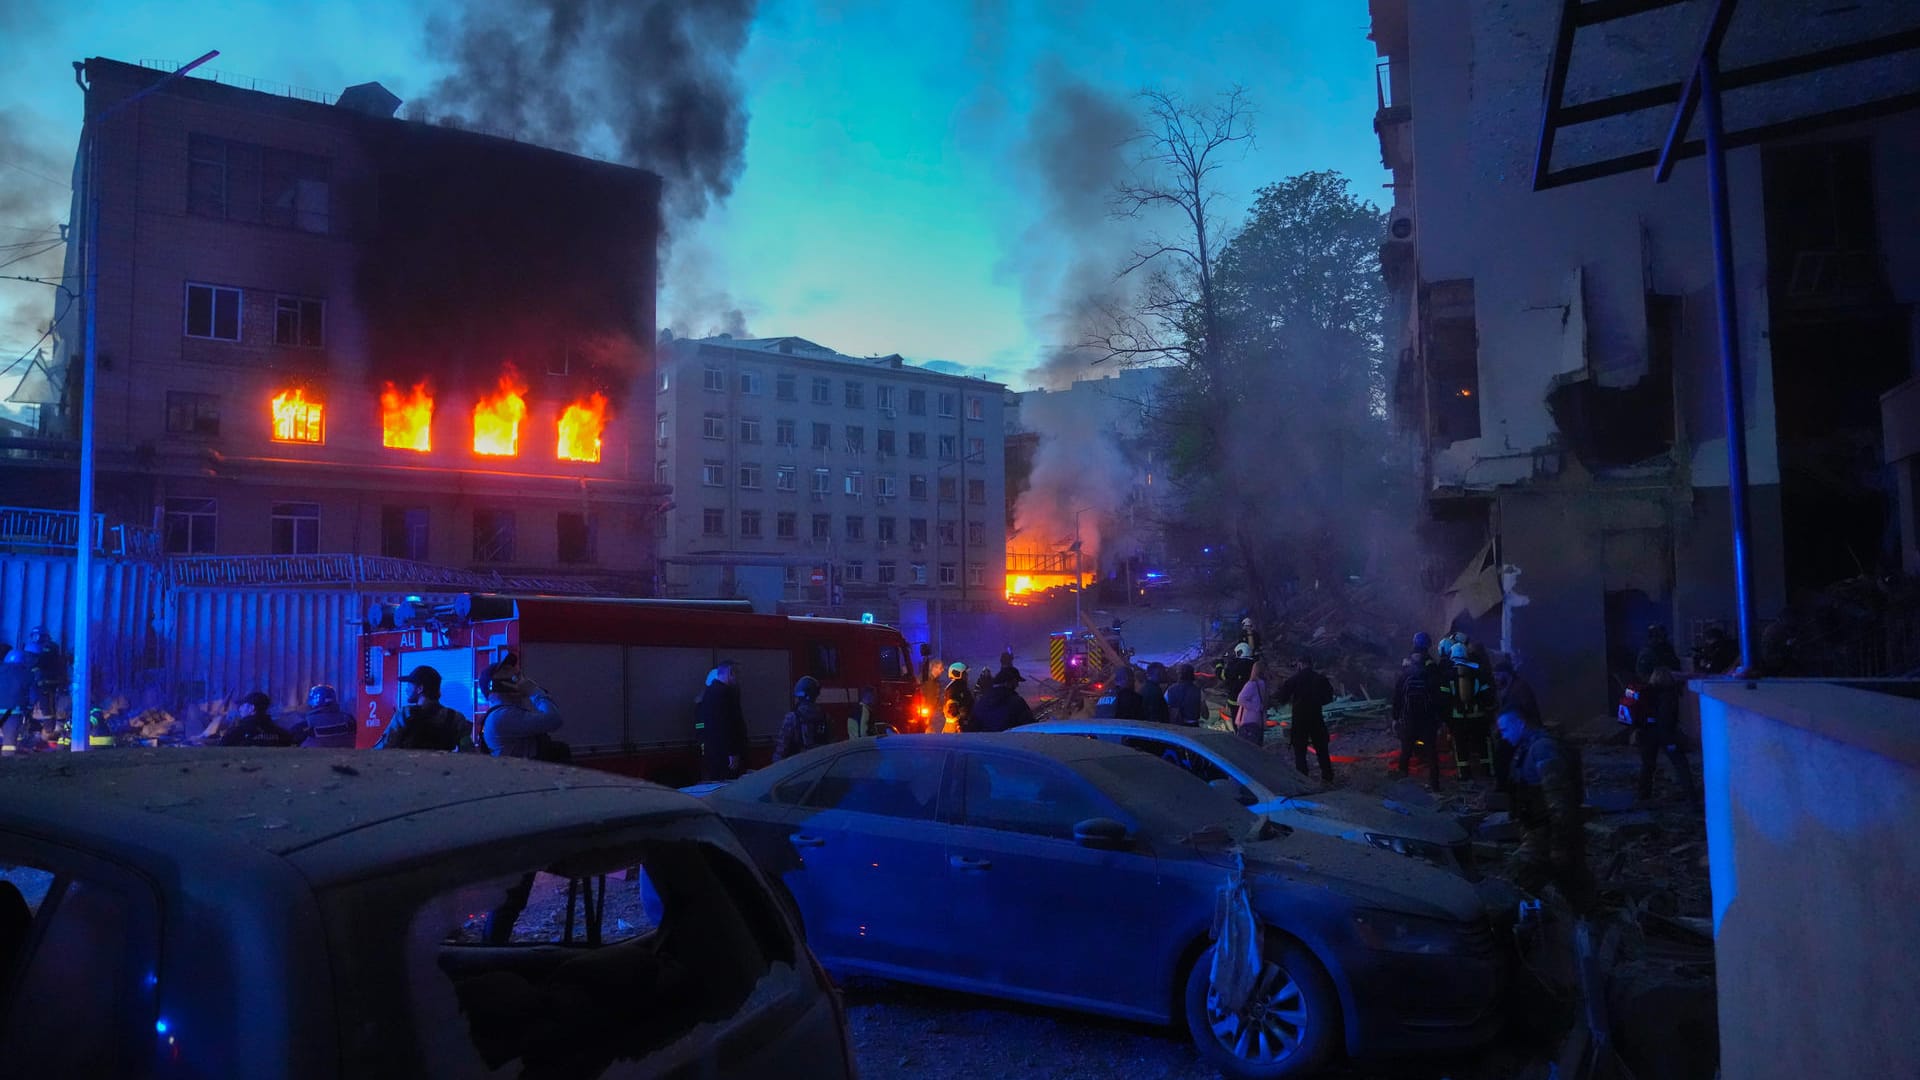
(1123, 727)
(1061, 750)
(279, 801)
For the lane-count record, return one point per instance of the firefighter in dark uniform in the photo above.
(1548, 790)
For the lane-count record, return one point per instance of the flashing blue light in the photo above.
(866, 616)
(160, 1026)
(1154, 575)
(1206, 551)
(413, 599)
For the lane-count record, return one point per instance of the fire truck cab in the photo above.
(627, 673)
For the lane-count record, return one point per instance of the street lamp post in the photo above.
(79, 732)
(1079, 575)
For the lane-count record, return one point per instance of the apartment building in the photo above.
(324, 329)
(1557, 353)
(828, 477)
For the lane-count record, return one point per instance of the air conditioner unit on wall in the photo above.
(1400, 224)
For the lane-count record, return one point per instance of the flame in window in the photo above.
(406, 421)
(296, 419)
(580, 428)
(496, 419)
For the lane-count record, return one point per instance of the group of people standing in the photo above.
(990, 702)
(519, 721)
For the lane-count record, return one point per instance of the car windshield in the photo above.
(1269, 770)
(1169, 799)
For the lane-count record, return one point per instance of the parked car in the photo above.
(308, 913)
(1269, 784)
(1084, 875)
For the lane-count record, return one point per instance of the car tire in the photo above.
(1296, 1006)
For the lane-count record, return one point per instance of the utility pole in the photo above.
(80, 714)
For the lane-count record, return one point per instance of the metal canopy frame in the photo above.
(1699, 91)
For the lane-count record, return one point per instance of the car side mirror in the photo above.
(1103, 834)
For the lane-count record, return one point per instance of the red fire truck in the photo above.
(626, 673)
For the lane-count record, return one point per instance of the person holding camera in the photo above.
(520, 716)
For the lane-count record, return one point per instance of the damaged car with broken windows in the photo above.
(1086, 875)
(232, 913)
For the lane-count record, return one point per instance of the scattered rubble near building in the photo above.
(1556, 351)
(325, 329)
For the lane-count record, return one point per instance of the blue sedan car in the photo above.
(1084, 875)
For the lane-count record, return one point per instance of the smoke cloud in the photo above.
(697, 302)
(652, 79)
(1079, 465)
(33, 199)
(1069, 258)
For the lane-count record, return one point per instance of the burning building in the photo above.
(1080, 471)
(352, 333)
(865, 479)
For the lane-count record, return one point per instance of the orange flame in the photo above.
(496, 419)
(406, 423)
(1018, 584)
(580, 428)
(295, 419)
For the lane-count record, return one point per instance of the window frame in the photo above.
(196, 407)
(300, 306)
(213, 312)
(195, 520)
(295, 515)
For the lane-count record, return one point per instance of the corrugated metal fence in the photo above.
(187, 648)
(37, 590)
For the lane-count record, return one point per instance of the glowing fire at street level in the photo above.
(295, 419)
(496, 419)
(580, 428)
(406, 423)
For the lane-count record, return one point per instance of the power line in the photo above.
(31, 254)
(61, 184)
(44, 334)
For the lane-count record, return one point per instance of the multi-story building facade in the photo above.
(859, 478)
(1557, 350)
(323, 329)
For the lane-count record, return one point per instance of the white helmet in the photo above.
(1243, 651)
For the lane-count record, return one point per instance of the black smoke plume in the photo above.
(1074, 154)
(33, 198)
(651, 79)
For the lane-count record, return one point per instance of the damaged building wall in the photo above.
(1546, 265)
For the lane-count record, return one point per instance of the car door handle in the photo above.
(961, 862)
(803, 840)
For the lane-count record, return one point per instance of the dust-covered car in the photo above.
(1083, 875)
(1267, 784)
(292, 914)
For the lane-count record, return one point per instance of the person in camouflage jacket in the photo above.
(1548, 790)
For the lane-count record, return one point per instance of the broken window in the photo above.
(299, 322)
(1822, 236)
(574, 535)
(784, 388)
(591, 963)
(1613, 426)
(493, 536)
(1453, 361)
(403, 532)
